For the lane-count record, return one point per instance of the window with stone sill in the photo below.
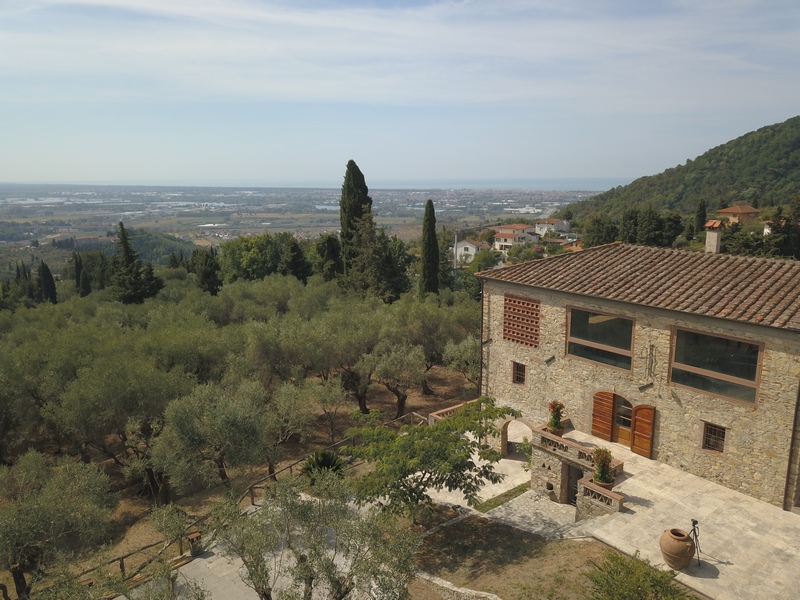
(517, 373)
(721, 366)
(713, 437)
(600, 337)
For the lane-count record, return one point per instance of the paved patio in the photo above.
(749, 548)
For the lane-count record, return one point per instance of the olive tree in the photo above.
(48, 511)
(319, 546)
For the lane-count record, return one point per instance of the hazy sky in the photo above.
(260, 92)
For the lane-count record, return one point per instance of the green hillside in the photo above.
(760, 168)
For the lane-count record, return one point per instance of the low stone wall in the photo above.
(450, 592)
(594, 501)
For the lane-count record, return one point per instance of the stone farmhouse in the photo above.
(516, 234)
(692, 359)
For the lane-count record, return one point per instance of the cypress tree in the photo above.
(134, 282)
(355, 203)
(85, 286)
(700, 216)
(429, 277)
(45, 284)
(78, 262)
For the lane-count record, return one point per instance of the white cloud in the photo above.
(471, 52)
(581, 71)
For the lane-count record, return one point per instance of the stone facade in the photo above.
(760, 455)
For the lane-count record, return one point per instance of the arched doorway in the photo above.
(513, 433)
(616, 420)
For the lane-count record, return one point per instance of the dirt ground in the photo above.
(490, 557)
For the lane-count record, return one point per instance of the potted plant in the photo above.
(602, 468)
(554, 425)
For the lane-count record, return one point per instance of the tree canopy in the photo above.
(48, 511)
(429, 275)
(318, 545)
(355, 203)
(133, 281)
(451, 454)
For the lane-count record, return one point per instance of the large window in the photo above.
(717, 365)
(603, 338)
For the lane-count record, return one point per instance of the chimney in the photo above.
(713, 235)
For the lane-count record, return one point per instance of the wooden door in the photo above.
(603, 415)
(642, 423)
(623, 415)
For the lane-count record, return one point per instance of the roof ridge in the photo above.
(759, 290)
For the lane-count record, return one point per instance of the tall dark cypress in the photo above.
(700, 216)
(355, 203)
(46, 285)
(429, 277)
(134, 281)
(78, 262)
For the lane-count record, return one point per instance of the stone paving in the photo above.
(750, 549)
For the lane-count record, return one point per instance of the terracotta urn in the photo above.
(677, 548)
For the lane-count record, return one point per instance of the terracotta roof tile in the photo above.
(739, 209)
(763, 291)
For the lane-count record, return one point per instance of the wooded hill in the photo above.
(760, 168)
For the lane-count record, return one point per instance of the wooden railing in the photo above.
(445, 412)
(141, 562)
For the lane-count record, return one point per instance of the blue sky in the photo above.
(258, 92)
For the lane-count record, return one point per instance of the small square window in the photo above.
(518, 375)
(713, 438)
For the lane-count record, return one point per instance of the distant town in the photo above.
(209, 215)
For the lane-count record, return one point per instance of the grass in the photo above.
(492, 503)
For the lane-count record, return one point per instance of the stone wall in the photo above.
(758, 437)
(593, 501)
(547, 475)
(451, 592)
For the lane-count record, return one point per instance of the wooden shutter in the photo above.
(642, 423)
(603, 415)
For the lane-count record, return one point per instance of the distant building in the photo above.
(467, 249)
(546, 225)
(514, 235)
(739, 213)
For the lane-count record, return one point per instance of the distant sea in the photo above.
(576, 184)
(600, 184)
